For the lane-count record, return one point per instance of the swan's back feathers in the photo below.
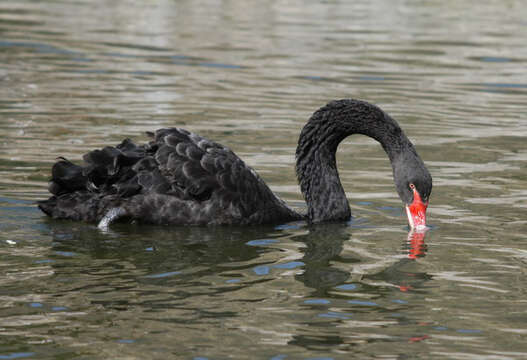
(177, 178)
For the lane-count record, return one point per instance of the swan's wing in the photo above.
(201, 170)
(177, 178)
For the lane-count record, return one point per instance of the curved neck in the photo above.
(316, 166)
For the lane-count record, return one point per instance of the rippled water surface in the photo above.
(76, 75)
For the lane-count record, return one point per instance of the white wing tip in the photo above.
(110, 217)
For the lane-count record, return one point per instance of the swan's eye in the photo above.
(412, 186)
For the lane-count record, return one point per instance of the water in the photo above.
(78, 75)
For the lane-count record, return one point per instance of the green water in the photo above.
(77, 75)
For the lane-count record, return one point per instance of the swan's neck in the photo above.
(316, 166)
(318, 175)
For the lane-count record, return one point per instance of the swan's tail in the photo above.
(92, 191)
(78, 205)
(47, 206)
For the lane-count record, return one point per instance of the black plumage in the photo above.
(182, 178)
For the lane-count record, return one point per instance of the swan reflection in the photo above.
(326, 266)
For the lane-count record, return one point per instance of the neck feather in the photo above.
(320, 184)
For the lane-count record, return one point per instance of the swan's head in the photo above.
(414, 185)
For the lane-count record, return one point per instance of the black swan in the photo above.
(181, 178)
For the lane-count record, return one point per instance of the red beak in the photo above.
(416, 212)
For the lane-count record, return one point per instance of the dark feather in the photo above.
(66, 177)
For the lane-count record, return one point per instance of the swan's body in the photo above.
(181, 178)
